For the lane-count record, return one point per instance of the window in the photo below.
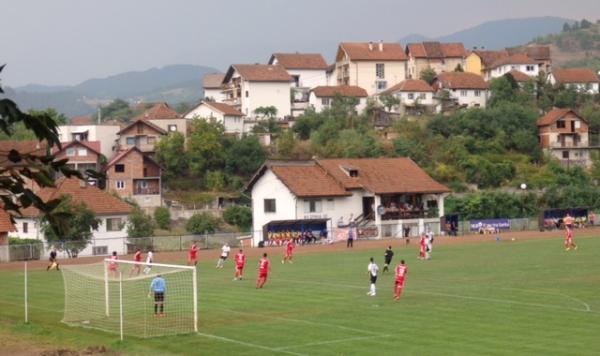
(113, 224)
(25, 227)
(411, 96)
(120, 184)
(565, 154)
(381, 85)
(313, 206)
(270, 206)
(70, 152)
(577, 124)
(100, 250)
(380, 70)
(529, 68)
(463, 93)
(560, 124)
(325, 101)
(143, 184)
(477, 92)
(119, 168)
(422, 96)
(172, 128)
(82, 152)
(296, 80)
(131, 140)
(247, 94)
(151, 140)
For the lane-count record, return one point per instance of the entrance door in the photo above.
(368, 211)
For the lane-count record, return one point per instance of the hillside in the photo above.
(173, 84)
(577, 45)
(499, 34)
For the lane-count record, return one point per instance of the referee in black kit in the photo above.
(388, 258)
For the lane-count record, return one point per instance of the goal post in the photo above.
(116, 296)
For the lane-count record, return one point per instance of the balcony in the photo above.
(146, 191)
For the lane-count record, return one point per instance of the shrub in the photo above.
(201, 223)
(238, 215)
(140, 224)
(162, 217)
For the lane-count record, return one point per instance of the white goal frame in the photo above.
(107, 262)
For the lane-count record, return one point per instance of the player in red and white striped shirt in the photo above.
(401, 272)
(240, 261)
(263, 270)
(137, 258)
(569, 240)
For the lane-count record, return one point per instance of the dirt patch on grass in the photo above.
(13, 346)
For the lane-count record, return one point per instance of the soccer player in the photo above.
(401, 272)
(224, 254)
(264, 267)
(137, 258)
(240, 261)
(569, 240)
(289, 250)
(422, 246)
(158, 286)
(388, 258)
(372, 270)
(113, 266)
(428, 243)
(193, 254)
(53, 261)
(149, 260)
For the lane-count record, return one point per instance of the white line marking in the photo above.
(350, 339)
(586, 305)
(243, 343)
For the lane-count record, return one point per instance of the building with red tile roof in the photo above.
(231, 118)
(321, 97)
(505, 64)
(161, 115)
(416, 97)
(212, 84)
(564, 134)
(580, 79)
(541, 54)
(466, 89)
(441, 57)
(386, 192)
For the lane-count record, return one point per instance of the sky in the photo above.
(64, 42)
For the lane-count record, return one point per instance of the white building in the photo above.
(213, 87)
(228, 116)
(382, 196)
(308, 70)
(251, 86)
(581, 79)
(504, 65)
(112, 212)
(87, 131)
(465, 89)
(320, 98)
(415, 95)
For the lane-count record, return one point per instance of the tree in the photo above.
(140, 224)
(389, 101)
(566, 27)
(269, 126)
(118, 109)
(238, 215)
(171, 155)
(584, 24)
(204, 147)
(459, 68)
(202, 223)
(214, 181)
(266, 111)
(77, 233)
(428, 75)
(162, 217)
(244, 156)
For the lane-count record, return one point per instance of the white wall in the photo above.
(106, 134)
(469, 98)
(500, 71)
(590, 88)
(317, 103)
(309, 78)
(34, 232)
(232, 124)
(275, 94)
(333, 208)
(404, 98)
(216, 94)
(363, 74)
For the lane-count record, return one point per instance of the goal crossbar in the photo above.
(150, 264)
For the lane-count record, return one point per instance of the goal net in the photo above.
(118, 297)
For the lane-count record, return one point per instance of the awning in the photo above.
(295, 223)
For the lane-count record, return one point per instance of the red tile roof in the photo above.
(160, 111)
(574, 75)
(93, 146)
(519, 76)
(359, 51)
(343, 90)
(224, 108)
(81, 120)
(259, 73)
(309, 181)
(436, 50)
(143, 122)
(489, 57)
(383, 175)
(31, 147)
(540, 53)
(461, 80)
(410, 85)
(5, 224)
(98, 201)
(554, 115)
(212, 81)
(300, 60)
(518, 58)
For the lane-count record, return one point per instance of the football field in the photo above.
(524, 297)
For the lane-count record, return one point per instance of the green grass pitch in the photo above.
(507, 298)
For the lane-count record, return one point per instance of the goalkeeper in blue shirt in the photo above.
(158, 286)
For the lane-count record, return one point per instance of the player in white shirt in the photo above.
(224, 254)
(428, 243)
(372, 270)
(149, 260)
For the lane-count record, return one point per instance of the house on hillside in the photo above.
(308, 70)
(372, 66)
(564, 134)
(541, 54)
(251, 86)
(583, 80)
(112, 212)
(163, 116)
(82, 156)
(231, 118)
(321, 97)
(84, 129)
(504, 65)
(212, 84)
(382, 196)
(134, 175)
(441, 57)
(415, 95)
(142, 134)
(462, 88)
(478, 61)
